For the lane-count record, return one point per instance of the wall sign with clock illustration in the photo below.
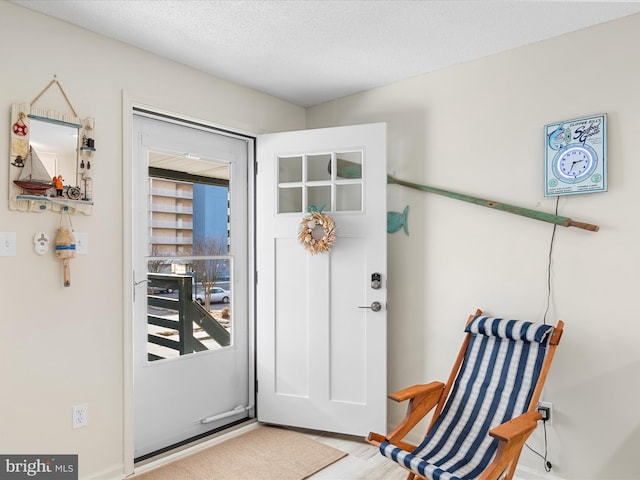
(575, 156)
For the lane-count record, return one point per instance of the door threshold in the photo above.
(188, 447)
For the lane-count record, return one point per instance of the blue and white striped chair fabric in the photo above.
(495, 383)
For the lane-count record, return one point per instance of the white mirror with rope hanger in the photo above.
(51, 158)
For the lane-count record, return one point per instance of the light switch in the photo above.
(82, 242)
(7, 244)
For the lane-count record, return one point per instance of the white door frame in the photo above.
(128, 105)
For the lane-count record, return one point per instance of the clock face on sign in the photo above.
(574, 164)
(575, 156)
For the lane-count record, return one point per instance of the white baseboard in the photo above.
(528, 473)
(113, 473)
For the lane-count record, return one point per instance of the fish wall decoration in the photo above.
(397, 220)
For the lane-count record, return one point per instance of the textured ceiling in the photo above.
(309, 52)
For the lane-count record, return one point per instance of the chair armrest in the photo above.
(521, 425)
(412, 392)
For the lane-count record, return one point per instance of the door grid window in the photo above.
(331, 182)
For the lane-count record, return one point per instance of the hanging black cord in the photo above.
(547, 463)
(553, 236)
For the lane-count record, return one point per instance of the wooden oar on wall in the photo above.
(347, 169)
(525, 212)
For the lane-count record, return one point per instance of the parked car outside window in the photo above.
(218, 295)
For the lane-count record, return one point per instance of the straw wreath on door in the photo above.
(317, 231)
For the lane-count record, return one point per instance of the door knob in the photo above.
(375, 306)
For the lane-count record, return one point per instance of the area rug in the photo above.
(266, 453)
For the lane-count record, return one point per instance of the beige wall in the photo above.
(63, 346)
(477, 128)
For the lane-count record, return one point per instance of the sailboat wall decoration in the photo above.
(61, 146)
(34, 178)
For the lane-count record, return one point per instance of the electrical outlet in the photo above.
(546, 410)
(80, 415)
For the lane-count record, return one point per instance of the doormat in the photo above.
(266, 453)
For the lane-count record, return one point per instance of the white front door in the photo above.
(321, 349)
(190, 232)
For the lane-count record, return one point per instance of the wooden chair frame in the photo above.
(511, 435)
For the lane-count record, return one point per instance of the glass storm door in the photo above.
(191, 336)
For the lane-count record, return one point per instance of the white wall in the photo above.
(63, 346)
(477, 128)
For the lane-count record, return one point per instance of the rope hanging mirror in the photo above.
(51, 156)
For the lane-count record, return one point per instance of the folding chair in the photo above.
(486, 410)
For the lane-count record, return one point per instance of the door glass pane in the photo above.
(189, 267)
(289, 200)
(289, 169)
(320, 197)
(349, 165)
(349, 197)
(319, 167)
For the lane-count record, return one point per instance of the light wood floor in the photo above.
(365, 462)
(362, 462)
